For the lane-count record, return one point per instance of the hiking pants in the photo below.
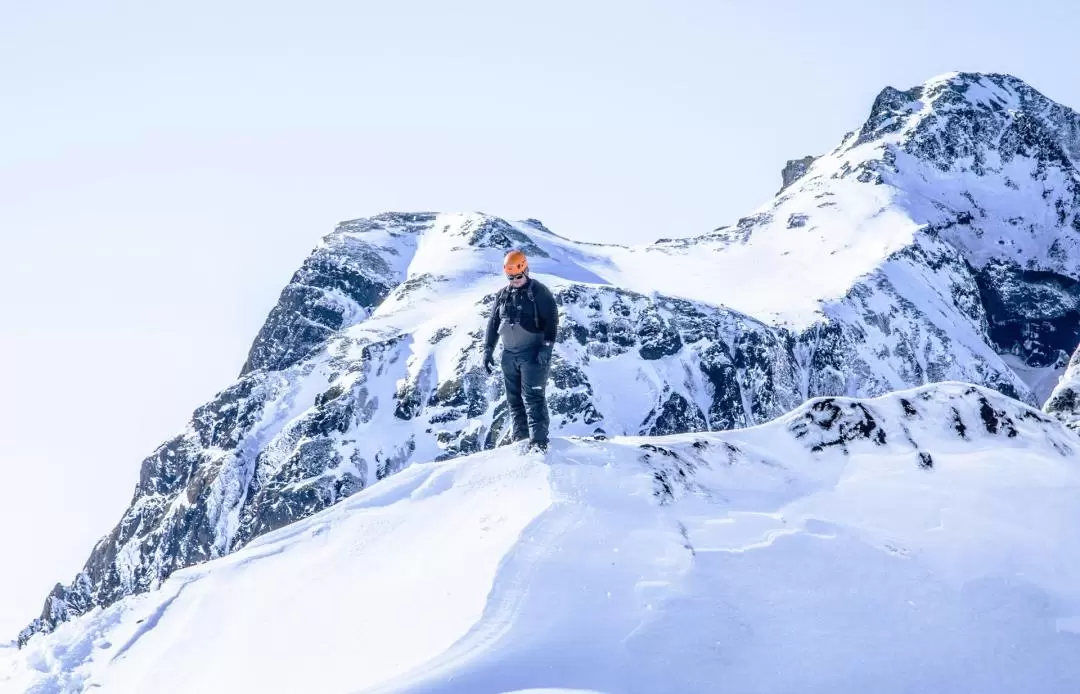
(526, 384)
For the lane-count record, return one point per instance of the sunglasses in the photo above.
(515, 277)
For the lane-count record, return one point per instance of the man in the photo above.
(526, 318)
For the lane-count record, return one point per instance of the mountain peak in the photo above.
(356, 267)
(955, 88)
(970, 120)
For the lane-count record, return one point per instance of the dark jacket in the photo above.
(531, 307)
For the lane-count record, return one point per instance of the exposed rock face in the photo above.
(794, 170)
(1064, 402)
(940, 236)
(917, 424)
(338, 285)
(1032, 314)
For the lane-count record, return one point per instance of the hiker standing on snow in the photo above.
(526, 318)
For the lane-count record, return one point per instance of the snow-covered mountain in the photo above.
(923, 541)
(937, 242)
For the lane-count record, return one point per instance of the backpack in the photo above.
(504, 297)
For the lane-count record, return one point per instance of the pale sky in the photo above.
(164, 167)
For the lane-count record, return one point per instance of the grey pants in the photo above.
(526, 383)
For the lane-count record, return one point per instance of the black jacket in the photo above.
(531, 306)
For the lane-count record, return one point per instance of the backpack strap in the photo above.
(536, 311)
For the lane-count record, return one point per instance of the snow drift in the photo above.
(922, 541)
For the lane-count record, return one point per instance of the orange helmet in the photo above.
(515, 263)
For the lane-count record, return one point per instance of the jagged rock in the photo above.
(337, 286)
(1064, 401)
(794, 170)
(1032, 314)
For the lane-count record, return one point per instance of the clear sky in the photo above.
(164, 167)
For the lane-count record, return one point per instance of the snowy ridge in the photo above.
(681, 563)
(938, 242)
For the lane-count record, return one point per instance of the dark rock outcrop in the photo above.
(793, 170)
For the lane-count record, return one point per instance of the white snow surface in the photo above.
(770, 567)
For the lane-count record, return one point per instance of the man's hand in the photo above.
(543, 357)
(489, 362)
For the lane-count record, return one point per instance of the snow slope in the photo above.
(923, 541)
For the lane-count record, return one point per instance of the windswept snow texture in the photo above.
(940, 241)
(924, 541)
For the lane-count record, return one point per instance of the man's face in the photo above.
(517, 280)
